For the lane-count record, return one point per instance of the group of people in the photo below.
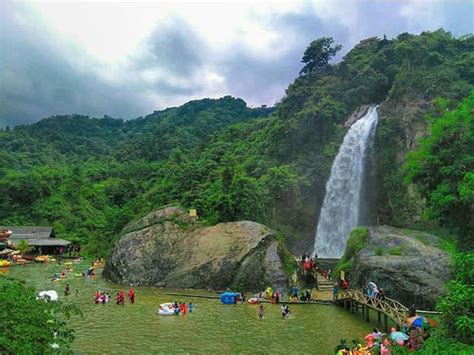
(183, 308)
(104, 297)
(411, 338)
(285, 311)
(308, 264)
(305, 296)
(374, 292)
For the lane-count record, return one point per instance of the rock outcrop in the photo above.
(165, 248)
(407, 264)
(354, 117)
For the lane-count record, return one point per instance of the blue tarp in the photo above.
(229, 297)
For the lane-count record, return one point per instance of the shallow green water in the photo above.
(211, 328)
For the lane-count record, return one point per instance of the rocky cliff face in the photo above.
(165, 249)
(407, 264)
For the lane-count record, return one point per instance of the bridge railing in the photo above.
(392, 308)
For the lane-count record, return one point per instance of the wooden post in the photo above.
(378, 316)
(385, 322)
(367, 314)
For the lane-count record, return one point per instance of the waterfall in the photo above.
(340, 212)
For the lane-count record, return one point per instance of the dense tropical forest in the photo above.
(89, 177)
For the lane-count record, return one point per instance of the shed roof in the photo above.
(29, 232)
(47, 242)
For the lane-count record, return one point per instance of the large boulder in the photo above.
(409, 265)
(167, 249)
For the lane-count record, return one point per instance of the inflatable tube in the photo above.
(5, 263)
(48, 296)
(229, 297)
(166, 309)
(79, 275)
(253, 300)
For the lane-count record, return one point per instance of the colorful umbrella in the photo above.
(398, 336)
(419, 321)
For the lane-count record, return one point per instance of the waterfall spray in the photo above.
(340, 212)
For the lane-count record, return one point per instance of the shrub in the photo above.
(357, 240)
(395, 251)
(29, 326)
(379, 251)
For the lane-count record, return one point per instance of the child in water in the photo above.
(190, 307)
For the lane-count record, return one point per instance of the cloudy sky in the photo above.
(127, 59)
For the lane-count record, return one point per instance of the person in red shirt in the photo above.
(131, 295)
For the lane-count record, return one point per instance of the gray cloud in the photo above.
(39, 76)
(38, 79)
(175, 48)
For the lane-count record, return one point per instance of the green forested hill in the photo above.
(88, 177)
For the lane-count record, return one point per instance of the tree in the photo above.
(317, 55)
(23, 247)
(30, 326)
(442, 169)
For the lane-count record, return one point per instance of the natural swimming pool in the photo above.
(211, 328)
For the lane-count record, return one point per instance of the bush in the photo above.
(379, 251)
(289, 263)
(395, 251)
(357, 240)
(29, 326)
(458, 303)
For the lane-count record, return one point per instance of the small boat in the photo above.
(48, 296)
(166, 309)
(229, 297)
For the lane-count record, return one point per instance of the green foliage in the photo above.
(458, 303)
(379, 251)
(289, 263)
(89, 177)
(396, 251)
(342, 265)
(23, 247)
(356, 242)
(29, 326)
(317, 55)
(441, 168)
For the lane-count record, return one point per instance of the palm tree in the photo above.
(23, 247)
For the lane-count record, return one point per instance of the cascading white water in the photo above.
(341, 207)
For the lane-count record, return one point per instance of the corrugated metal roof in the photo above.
(50, 242)
(29, 232)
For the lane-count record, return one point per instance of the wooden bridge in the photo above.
(353, 299)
